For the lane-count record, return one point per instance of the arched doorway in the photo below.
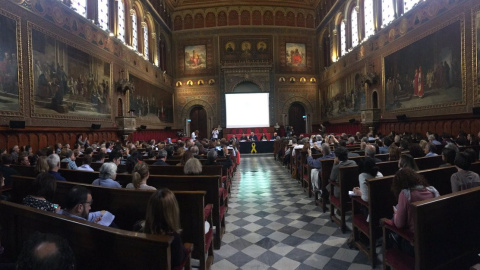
(120, 107)
(198, 115)
(295, 118)
(375, 100)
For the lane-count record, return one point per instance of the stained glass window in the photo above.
(134, 30)
(145, 40)
(121, 21)
(409, 4)
(369, 23)
(354, 23)
(80, 6)
(388, 12)
(343, 37)
(103, 14)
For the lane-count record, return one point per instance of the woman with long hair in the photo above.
(163, 217)
(42, 192)
(140, 175)
(407, 161)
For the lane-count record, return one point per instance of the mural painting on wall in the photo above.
(426, 72)
(241, 49)
(295, 54)
(150, 103)
(477, 31)
(195, 57)
(344, 97)
(9, 93)
(67, 82)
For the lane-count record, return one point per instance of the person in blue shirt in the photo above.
(70, 158)
(53, 162)
(107, 175)
(430, 149)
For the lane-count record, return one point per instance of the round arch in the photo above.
(245, 86)
(195, 103)
(309, 110)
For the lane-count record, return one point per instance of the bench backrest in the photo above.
(129, 206)
(446, 231)
(95, 246)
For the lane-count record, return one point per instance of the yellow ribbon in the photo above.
(253, 148)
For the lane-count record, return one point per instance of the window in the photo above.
(369, 23)
(409, 4)
(80, 6)
(354, 24)
(134, 30)
(388, 12)
(343, 37)
(145, 40)
(103, 14)
(121, 21)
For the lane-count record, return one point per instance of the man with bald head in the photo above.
(46, 251)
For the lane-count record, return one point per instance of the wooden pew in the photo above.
(381, 200)
(129, 206)
(208, 183)
(446, 233)
(95, 246)
(424, 163)
(347, 179)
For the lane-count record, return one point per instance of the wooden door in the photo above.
(198, 115)
(295, 118)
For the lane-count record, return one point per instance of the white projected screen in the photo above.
(247, 110)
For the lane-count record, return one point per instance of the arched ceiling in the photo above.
(178, 5)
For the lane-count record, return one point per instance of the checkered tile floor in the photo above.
(272, 224)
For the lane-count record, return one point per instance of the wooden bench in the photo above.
(446, 234)
(208, 183)
(95, 246)
(381, 200)
(347, 180)
(129, 206)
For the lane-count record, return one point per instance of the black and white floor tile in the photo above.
(273, 224)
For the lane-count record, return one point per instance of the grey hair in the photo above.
(212, 154)
(53, 161)
(108, 170)
(431, 137)
(319, 138)
(452, 146)
(194, 150)
(192, 166)
(326, 149)
(370, 151)
(351, 140)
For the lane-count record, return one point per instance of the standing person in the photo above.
(194, 135)
(82, 143)
(163, 218)
(215, 134)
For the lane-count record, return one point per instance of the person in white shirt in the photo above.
(215, 134)
(194, 135)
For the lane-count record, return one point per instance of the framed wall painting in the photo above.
(11, 86)
(345, 96)
(295, 54)
(427, 72)
(67, 82)
(151, 103)
(195, 57)
(476, 52)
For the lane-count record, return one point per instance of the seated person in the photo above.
(430, 149)
(212, 159)
(409, 186)
(253, 137)
(448, 157)
(42, 191)
(140, 176)
(107, 175)
(6, 170)
(263, 137)
(87, 160)
(464, 178)
(79, 203)
(70, 158)
(407, 161)
(316, 164)
(192, 167)
(100, 157)
(341, 160)
(233, 140)
(46, 251)
(54, 165)
(161, 158)
(163, 218)
(243, 137)
(369, 170)
(23, 159)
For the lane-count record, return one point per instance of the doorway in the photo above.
(198, 115)
(295, 118)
